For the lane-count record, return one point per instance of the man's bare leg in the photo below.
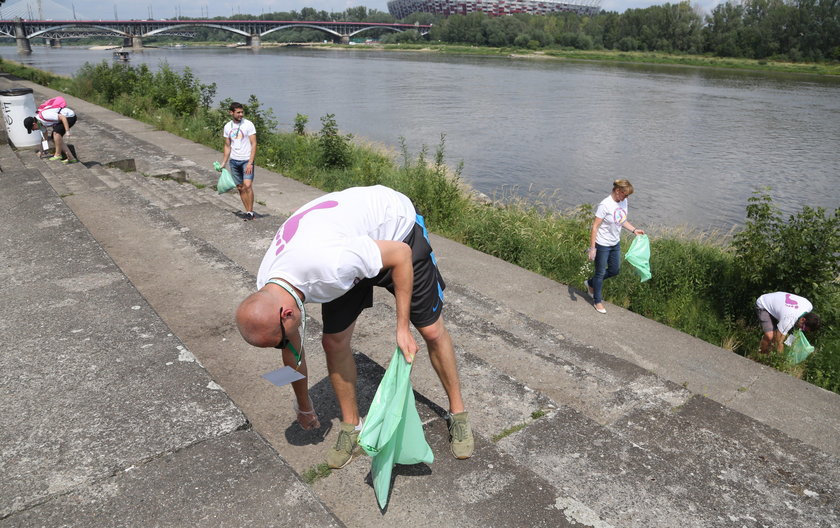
(442, 355)
(342, 370)
(246, 194)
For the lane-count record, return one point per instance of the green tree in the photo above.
(800, 254)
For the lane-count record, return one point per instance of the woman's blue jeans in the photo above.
(607, 264)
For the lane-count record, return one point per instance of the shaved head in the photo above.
(258, 319)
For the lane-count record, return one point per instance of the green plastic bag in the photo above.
(226, 181)
(800, 349)
(392, 432)
(639, 256)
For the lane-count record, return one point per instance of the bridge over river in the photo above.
(133, 31)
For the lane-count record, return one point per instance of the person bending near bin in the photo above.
(241, 148)
(333, 251)
(61, 120)
(779, 313)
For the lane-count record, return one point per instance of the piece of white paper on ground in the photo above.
(283, 376)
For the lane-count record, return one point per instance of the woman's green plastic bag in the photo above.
(392, 432)
(800, 349)
(639, 256)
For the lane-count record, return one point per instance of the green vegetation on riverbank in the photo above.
(633, 57)
(704, 289)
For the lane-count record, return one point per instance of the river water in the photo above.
(694, 142)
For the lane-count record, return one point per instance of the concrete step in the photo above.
(108, 176)
(76, 178)
(598, 456)
(204, 285)
(594, 398)
(513, 365)
(106, 418)
(9, 160)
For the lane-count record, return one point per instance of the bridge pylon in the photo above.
(23, 44)
(253, 41)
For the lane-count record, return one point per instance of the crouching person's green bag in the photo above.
(392, 432)
(800, 349)
(639, 256)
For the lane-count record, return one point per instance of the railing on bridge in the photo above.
(133, 31)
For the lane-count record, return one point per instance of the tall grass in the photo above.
(702, 288)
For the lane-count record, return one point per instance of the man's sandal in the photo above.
(306, 419)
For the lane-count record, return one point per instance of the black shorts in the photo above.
(426, 298)
(59, 128)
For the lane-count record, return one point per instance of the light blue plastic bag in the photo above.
(392, 432)
(639, 256)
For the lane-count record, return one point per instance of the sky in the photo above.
(141, 9)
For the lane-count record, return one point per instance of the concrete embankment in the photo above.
(129, 399)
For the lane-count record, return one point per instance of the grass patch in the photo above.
(316, 473)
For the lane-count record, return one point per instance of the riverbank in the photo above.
(643, 407)
(632, 57)
(608, 56)
(603, 56)
(697, 288)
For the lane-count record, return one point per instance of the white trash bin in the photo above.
(18, 104)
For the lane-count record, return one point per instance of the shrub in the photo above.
(799, 255)
(300, 124)
(335, 148)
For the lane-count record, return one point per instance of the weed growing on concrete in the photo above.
(509, 431)
(315, 473)
(516, 428)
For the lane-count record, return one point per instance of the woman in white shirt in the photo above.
(605, 238)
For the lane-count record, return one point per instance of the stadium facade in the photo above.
(402, 8)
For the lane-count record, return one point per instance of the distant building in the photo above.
(402, 8)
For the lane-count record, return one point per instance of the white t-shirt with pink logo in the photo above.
(240, 142)
(613, 215)
(49, 117)
(327, 245)
(787, 308)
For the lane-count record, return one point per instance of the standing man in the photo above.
(60, 119)
(779, 313)
(240, 148)
(333, 251)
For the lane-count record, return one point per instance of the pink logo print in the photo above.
(792, 303)
(289, 228)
